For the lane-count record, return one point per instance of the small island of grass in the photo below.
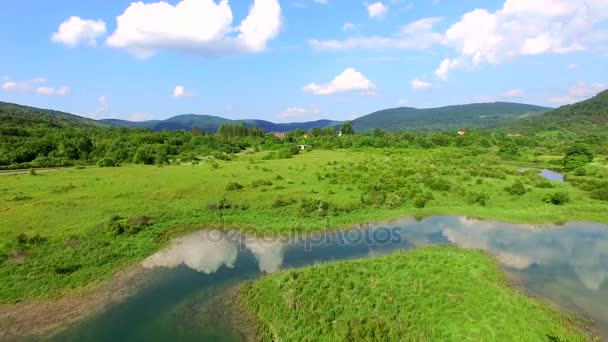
(437, 293)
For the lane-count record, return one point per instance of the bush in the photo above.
(517, 189)
(557, 198)
(233, 186)
(309, 207)
(283, 202)
(107, 162)
(601, 193)
(394, 201)
(261, 182)
(119, 226)
(422, 200)
(479, 198)
(33, 172)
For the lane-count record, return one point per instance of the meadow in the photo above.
(64, 231)
(426, 294)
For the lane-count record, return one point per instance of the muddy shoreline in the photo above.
(28, 320)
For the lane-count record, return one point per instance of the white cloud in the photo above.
(76, 31)
(415, 35)
(23, 86)
(322, 2)
(572, 66)
(180, 91)
(52, 91)
(445, 67)
(402, 102)
(349, 80)
(421, 85)
(377, 10)
(141, 117)
(101, 110)
(524, 27)
(195, 26)
(35, 85)
(348, 27)
(577, 92)
(513, 93)
(299, 112)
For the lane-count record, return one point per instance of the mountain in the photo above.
(476, 115)
(212, 123)
(17, 115)
(587, 115)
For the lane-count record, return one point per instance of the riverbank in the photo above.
(436, 293)
(70, 229)
(36, 319)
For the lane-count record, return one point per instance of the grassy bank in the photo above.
(65, 230)
(427, 294)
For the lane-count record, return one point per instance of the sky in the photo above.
(297, 60)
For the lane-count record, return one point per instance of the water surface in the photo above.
(568, 265)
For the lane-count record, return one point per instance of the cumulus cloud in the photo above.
(76, 31)
(445, 67)
(322, 2)
(523, 27)
(421, 85)
(195, 26)
(415, 35)
(349, 80)
(180, 91)
(35, 85)
(299, 112)
(577, 92)
(377, 10)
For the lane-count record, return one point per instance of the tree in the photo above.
(347, 129)
(577, 156)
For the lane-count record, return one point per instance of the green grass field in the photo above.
(427, 294)
(58, 235)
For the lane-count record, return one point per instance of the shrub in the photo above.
(283, 202)
(233, 186)
(577, 156)
(557, 198)
(478, 198)
(601, 193)
(517, 189)
(33, 172)
(422, 200)
(261, 182)
(121, 226)
(394, 201)
(309, 207)
(25, 241)
(107, 162)
(581, 171)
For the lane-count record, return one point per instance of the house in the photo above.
(461, 133)
(280, 135)
(302, 147)
(306, 136)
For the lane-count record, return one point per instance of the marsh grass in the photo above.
(427, 294)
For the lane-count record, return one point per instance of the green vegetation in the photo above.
(471, 116)
(114, 208)
(427, 294)
(88, 218)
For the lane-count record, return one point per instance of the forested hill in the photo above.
(19, 116)
(210, 123)
(580, 117)
(476, 115)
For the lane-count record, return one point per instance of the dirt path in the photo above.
(36, 319)
(44, 169)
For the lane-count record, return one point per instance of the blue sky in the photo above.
(297, 60)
